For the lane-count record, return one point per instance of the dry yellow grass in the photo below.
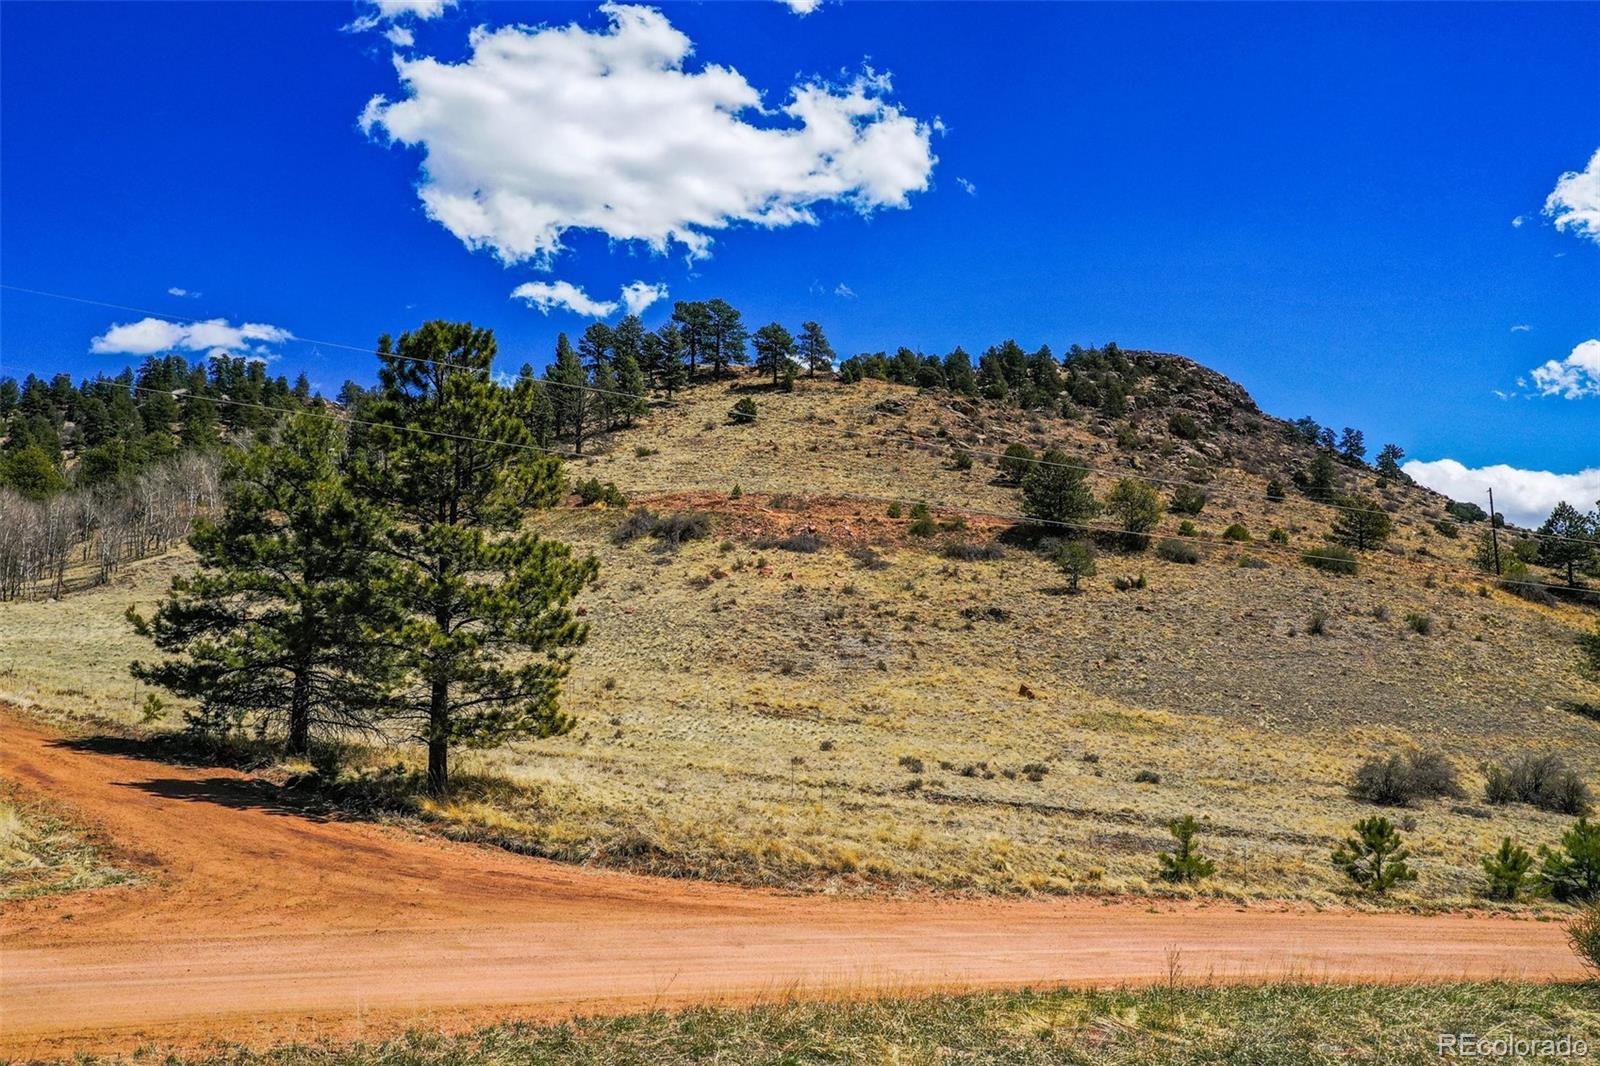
(801, 719)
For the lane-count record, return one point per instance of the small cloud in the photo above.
(549, 295)
(1573, 378)
(1502, 394)
(400, 36)
(1575, 201)
(392, 11)
(638, 295)
(802, 7)
(175, 291)
(1525, 497)
(1517, 222)
(845, 291)
(967, 186)
(1521, 327)
(214, 336)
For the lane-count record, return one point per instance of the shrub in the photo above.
(1182, 424)
(967, 552)
(1176, 551)
(1277, 536)
(1507, 871)
(640, 523)
(1317, 623)
(911, 763)
(1541, 780)
(1015, 463)
(737, 493)
(1589, 651)
(1135, 508)
(1571, 873)
(894, 509)
(1374, 858)
(1147, 777)
(806, 541)
(961, 460)
(743, 411)
(1236, 532)
(1584, 933)
(1419, 623)
(923, 527)
(644, 451)
(592, 492)
(680, 526)
(1076, 560)
(1277, 491)
(1250, 562)
(1187, 528)
(1184, 862)
(1397, 780)
(1447, 529)
(1126, 584)
(1518, 580)
(1331, 558)
(1187, 499)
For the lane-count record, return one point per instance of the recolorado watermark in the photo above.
(1473, 1046)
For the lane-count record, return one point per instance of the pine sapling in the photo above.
(1507, 870)
(1374, 858)
(1184, 862)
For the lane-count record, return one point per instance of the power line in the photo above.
(996, 455)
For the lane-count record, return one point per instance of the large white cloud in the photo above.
(1576, 376)
(1575, 202)
(1525, 497)
(547, 129)
(214, 336)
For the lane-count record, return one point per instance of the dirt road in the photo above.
(262, 924)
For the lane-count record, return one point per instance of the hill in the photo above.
(804, 693)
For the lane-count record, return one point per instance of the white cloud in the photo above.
(845, 291)
(176, 291)
(1573, 378)
(546, 129)
(547, 295)
(392, 11)
(1575, 202)
(1525, 497)
(638, 295)
(400, 37)
(1521, 328)
(212, 336)
(803, 7)
(1517, 222)
(967, 186)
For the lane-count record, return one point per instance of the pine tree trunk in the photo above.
(300, 715)
(439, 739)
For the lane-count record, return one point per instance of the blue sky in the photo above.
(1317, 201)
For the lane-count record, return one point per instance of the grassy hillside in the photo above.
(811, 696)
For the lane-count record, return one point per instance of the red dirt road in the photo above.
(260, 924)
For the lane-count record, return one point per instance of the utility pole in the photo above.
(1494, 533)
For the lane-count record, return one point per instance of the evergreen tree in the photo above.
(1054, 491)
(569, 395)
(695, 329)
(1184, 862)
(1507, 871)
(1076, 560)
(489, 632)
(1374, 858)
(1353, 445)
(1573, 540)
(1388, 465)
(535, 407)
(281, 626)
(1361, 524)
(1135, 508)
(671, 373)
(630, 404)
(29, 470)
(815, 351)
(727, 336)
(774, 351)
(594, 348)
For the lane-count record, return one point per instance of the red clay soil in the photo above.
(259, 924)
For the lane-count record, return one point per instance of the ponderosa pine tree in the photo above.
(1361, 524)
(569, 394)
(670, 373)
(727, 336)
(488, 630)
(282, 626)
(631, 390)
(815, 351)
(695, 327)
(1054, 491)
(594, 348)
(1571, 541)
(774, 347)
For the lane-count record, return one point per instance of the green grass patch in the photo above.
(1292, 1025)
